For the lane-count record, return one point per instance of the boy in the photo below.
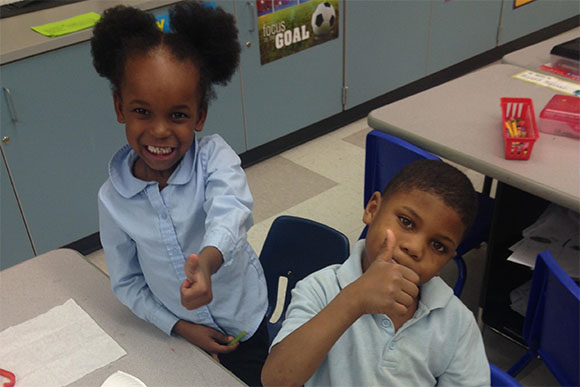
(384, 317)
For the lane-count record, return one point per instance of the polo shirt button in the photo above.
(393, 345)
(386, 323)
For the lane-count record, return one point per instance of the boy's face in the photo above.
(427, 231)
(159, 105)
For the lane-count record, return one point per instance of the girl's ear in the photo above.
(201, 121)
(118, 102)
(372, 208)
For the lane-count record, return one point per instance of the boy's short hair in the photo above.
(441, 179)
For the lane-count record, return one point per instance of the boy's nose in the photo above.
(413, 247)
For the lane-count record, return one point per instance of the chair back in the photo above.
(500, 378)
(552, 326)
(294, 248)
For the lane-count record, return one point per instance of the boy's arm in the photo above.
(206, 338)
(295, 359)
(196, 289)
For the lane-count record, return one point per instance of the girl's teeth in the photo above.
(159, 150)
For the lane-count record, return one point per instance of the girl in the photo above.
(171, 195)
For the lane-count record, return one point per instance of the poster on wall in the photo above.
(519, 3)
(286, 27)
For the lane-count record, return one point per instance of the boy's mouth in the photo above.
(157, 150)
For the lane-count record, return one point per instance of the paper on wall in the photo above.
(56, 348)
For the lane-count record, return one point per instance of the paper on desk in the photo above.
(57, 347)
(556, 230)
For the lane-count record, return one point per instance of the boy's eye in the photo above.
(405, 222)
(440, 247)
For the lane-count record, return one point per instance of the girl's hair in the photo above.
(442, 180)
(206, 36)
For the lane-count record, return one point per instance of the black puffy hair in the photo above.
(442, 180)
(206, 36)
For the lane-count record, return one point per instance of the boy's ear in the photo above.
(372, 208)
(118, 102)
(202, 118)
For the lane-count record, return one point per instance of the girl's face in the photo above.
(427, 231)
(159, 104)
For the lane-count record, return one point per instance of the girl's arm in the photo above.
(126, 276)
(228, 201)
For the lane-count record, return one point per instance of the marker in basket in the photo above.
(238, 338)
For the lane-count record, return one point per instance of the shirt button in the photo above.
(386, 323)
(393, 345)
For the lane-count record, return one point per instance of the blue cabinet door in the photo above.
(460, 30)
(293, 92)
(15, 245)
(60, 145)
(385, 46)
(533, 16)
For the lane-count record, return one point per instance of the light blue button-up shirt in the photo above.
(147, 235)
(440, 345)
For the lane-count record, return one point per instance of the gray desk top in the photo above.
(37, 285)
(19, 41)
(533, 56)
(461, 121)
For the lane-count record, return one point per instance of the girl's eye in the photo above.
(141, 111)
(440, 247)
(179, 116)
(405, 222)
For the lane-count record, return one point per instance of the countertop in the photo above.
(19, 41)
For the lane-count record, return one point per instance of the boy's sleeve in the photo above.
(308, 299)
(228, 200)
(469, 365)
(127, 280)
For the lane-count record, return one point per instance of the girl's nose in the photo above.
(160, 128)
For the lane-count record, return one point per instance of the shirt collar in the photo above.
(121, 171)
(435, 293)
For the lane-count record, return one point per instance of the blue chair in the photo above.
(294, 248)
(552, 322)
(500, 378)
(386, 155)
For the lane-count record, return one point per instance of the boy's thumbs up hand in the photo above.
(387, 287)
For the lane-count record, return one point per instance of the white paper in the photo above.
(122, 379)
(56, 348)
(556, 230)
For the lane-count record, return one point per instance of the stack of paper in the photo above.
(556, 230)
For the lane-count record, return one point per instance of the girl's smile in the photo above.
(159, 104)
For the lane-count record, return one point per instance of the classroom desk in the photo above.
(461, 121)
(538, 54)
(39, 284)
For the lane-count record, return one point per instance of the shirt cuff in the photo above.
(221, 240)
(164, 320)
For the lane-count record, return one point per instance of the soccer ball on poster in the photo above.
(323, 18)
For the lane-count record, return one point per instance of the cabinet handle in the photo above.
(8, 95)
(250, 4)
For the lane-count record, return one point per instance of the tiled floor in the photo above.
(323, 180)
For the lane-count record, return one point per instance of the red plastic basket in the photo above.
(519, 139)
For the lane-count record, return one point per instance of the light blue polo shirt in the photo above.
(441, 345)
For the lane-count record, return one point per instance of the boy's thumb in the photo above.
(386, 253)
